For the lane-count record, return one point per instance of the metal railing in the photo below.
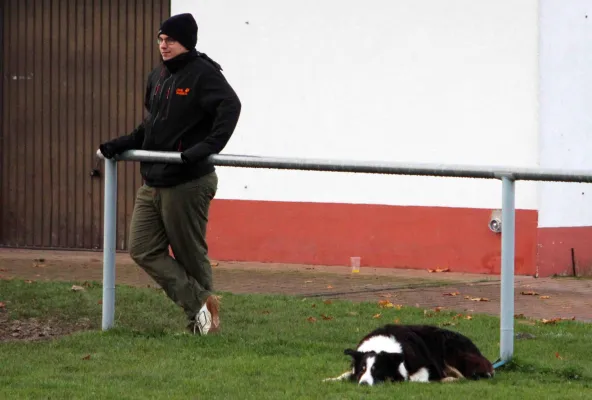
(507, 175)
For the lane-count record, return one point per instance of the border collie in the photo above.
(415, 353)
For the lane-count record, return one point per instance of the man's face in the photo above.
(169, 47)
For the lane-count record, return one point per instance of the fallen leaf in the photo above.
(311, 319)
(87, 357)
(439, 270)
(307, 281)
(28, 281)
(313, 305)
(468, 317)
(376, 316)
(519, 316)
(385, 304)
(438, 309)
(2, 305)
(327, 302)
(39, 265)
(398, 306)
(397, 321)
(76, 288)
(214, 264)
(479, 299)
(551, 321)
(558, 356)
(428, 313)
(545, 297)
(448, 324)
(329, 287)
(452, 294)
(529, 293)
(467, 297)
(100, 302)
(326, 317)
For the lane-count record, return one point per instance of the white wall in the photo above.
(566, 109)
(408, 80)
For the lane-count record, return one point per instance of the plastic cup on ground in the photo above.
(355, 264)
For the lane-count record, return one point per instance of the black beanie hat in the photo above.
(182, 28)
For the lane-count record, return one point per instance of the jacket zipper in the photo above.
(160, 96)
(169, 99)
(158, 92)
(158, 83)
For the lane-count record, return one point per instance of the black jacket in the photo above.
(191, 109)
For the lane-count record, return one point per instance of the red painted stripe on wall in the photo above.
(383, 236)
(554, 251)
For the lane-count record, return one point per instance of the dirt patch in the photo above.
(33, 329)
(244, 278)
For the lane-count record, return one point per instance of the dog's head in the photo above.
(370, 368)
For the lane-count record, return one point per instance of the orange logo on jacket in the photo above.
(182, 92)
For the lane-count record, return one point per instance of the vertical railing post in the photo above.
(507, 269)
(109, 235)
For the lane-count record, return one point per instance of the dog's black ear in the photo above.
(353, 353)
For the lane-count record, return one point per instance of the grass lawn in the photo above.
(270, 348)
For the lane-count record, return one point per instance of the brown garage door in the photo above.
(73, 75)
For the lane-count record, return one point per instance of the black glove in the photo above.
(108, 150)
(184, 158)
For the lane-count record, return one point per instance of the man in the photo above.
(192, 110)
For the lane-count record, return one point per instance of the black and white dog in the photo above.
(415, 353)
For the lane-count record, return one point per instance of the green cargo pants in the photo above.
(178, 217)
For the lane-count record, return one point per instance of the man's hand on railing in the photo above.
(107, 150)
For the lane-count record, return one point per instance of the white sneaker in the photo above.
(203, 321)
(208, 318)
